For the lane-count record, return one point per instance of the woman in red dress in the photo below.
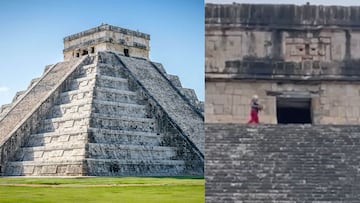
(255, 108)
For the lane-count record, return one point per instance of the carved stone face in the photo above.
(307, 48)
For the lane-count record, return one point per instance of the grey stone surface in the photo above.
(190, 122)
(189, 94)
(277, 51)
(282, 163)
(4, 109)
(96, 121)
(35, 80)
(104, 27)
(18, 95)
(107, 38)
(45, 92)
(175, 80)
(282, 15)
(33, 97)
(281, 70)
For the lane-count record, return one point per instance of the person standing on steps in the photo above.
(255, 108)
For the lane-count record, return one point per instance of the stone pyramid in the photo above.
(106, 110)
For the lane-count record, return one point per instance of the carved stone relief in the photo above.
(312, 48)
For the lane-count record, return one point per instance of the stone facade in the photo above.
(99, 115)
(305, 56)
(333, 102)
(302, 62)
(282, 163)
(107, 38)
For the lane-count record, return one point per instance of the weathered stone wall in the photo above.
(103, 115)
(284, 48)
(243, 31)
(282, 163)
(151, 142)
(23, 118)
(189, 120)
(282, 15)
(332, 102)
(100, 121)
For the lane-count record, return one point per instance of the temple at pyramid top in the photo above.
(107, 38)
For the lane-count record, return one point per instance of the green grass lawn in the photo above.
(102, 189)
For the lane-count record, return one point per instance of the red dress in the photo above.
(254, 118)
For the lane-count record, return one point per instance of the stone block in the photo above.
(68, 124)
(61, 169)
(68, 153)
(210, 87)
(74, 170)
(218, 109)
(50, 169)
(349, 112)
(209, 108)
(78, 152)
(220, 86)
(28, 169)
(175, 80)
(38, 154)
(237, 100)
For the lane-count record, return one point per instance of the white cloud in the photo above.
(4, 89)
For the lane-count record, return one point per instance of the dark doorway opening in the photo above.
(293, 110)
(126, 52)
(84, 52)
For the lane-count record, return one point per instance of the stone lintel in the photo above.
(107, 27)
(282, 70)
(282, 15)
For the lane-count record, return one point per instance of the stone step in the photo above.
(123, 123)
(35, 101)
(115, 167)
(117, 108)
(112, 82)
(33, 81)
(45, 139)
(18, 95)
(110, 70)
(97, 167)
(70, 151)
(82, 121)
(78, 83)
(47, 67)
(73, 95)
(130, 152)
(4, 109)
(46, 168)
(115, 95)
(65, 124)
(86, 70)
(266, 159)
(76, 107)
(98, 135)
(177, 107)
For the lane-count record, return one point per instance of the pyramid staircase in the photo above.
(282, 163)
(99, 121)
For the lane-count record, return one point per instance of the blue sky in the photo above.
(298, 2)
(32, 33)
